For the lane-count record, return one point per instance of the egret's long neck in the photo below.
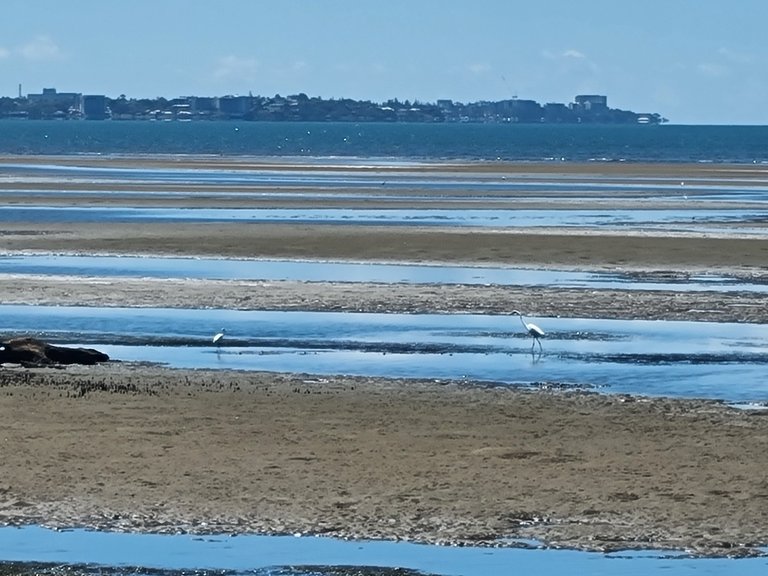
(523, 322)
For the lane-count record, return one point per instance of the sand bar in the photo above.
(132, 448)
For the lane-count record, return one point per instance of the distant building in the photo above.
(50, 104)
(557, 112)
(591, 102)
(203, 105)
(235, 106)
(182, 112)
(94, 107)
(518, 110)
(60, 100)
(54, 105)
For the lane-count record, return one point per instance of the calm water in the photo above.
(343, 181)
(710, 221)
(322, 271)
(308, 556)
(683, 359)
(668, 143)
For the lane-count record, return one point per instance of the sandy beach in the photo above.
(133, 447)
(141, 448)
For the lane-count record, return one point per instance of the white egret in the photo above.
(533, 330)
(218, 337)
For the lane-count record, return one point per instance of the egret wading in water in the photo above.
(534, 331)
(219, 337)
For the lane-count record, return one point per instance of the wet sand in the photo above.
(396, 298)
(132, 447)
(147, 449)
(582, 249)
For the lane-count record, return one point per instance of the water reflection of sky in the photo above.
(385, 178)
(313, 271)
(247, 553)
(529, 192)
(678, 220)
(685, 359)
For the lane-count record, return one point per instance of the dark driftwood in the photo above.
(31, 351)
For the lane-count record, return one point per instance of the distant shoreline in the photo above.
(54, 105)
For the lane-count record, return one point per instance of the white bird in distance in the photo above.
(534, 331)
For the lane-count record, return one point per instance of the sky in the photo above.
(692, 61)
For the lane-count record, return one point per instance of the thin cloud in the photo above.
(4, 53)
(736, 55)
(570, 61)
(40, 49)
(480, 68)
(574, 54)
(236, 68)
(712, 70)
(570, 54)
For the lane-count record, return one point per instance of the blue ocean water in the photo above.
(526, 142)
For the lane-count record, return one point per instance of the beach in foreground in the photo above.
(122, 447)
(132, 447)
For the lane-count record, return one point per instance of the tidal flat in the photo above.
(126, 446)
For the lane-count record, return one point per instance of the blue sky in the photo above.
(693, 61)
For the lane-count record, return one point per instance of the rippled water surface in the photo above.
(359, 142)
(679, 220)
(310, 556)
(713, 360)
(312, 271)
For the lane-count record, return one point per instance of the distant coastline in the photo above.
(54, 105)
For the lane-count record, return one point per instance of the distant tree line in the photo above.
(300, 107)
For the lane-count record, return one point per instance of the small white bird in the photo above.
(533, 330)
(218, 337)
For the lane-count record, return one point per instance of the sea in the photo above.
(37, 550)
(416, 141)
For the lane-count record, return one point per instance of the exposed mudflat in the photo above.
(374, 297)
(131, 447)
(127, 447)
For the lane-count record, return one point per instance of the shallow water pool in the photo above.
(323, 271)
(683, 359)
(263, 555)
(703, 220)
